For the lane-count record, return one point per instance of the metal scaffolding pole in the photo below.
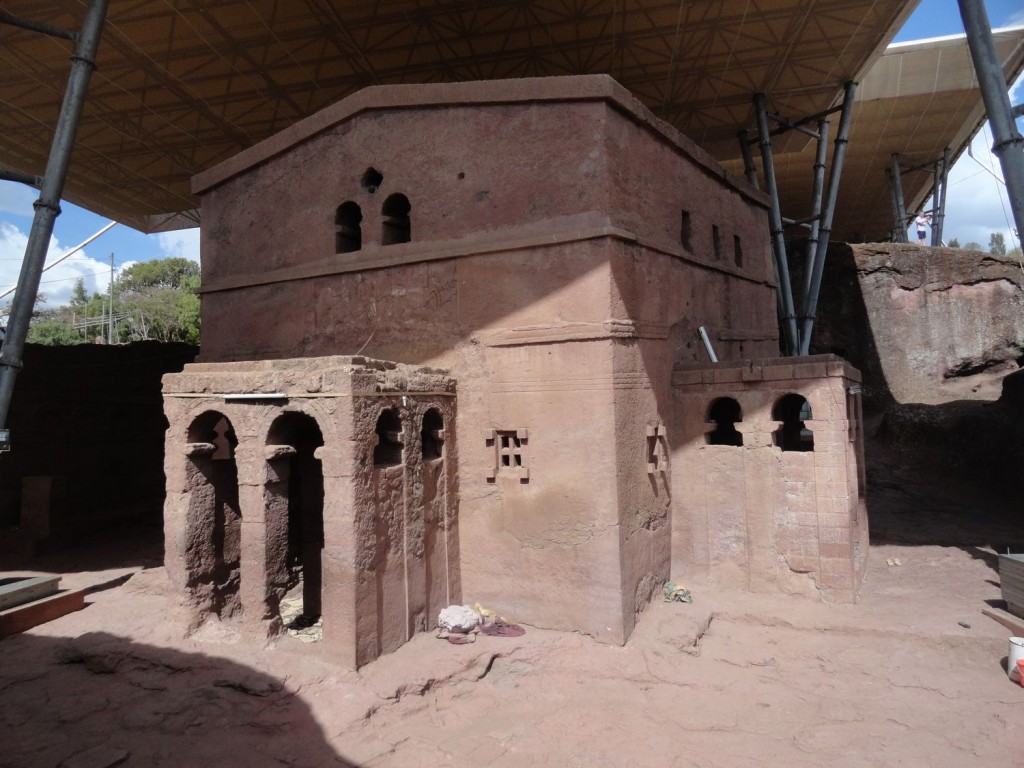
(901, 209)
(748, 159)
(838, 155)
(1009, 144)
(819, 186)
(895, 208)
(940, 215)
(788, 318)
(47, 207)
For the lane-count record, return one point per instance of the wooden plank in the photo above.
(29, 615)
(24, 589)
(1013, 623)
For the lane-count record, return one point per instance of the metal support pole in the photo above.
(22, 178)
(110, 327)
(35, 26)
(895, 208)
(901, 209)
(838, 155)
(812, 238)
(47, 207)
(1009, 144)
(748, 159)
(938, 220)
(788, 317)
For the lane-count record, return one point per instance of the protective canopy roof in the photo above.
(184, 85)
(916, 100)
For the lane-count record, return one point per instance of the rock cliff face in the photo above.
(924, 325)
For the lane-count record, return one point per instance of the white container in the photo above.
(1016, 653)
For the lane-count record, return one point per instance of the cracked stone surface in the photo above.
(733, 679)
(924, 325)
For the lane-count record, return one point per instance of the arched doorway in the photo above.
(214, 522)
(294, 500)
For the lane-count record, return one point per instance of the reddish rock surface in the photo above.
(924, 325)
(733, 679)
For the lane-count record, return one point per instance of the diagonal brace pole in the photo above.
(789, 327)
(47, 207)
(1009, 144)
(838, 155)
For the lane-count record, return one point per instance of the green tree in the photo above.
(79, 297)
(954, 243)
(159, 299)
(53, 332)
(152, 300)
(148, 276)
(997, 244)
(972, 246)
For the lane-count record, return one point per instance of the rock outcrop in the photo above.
(924, 325)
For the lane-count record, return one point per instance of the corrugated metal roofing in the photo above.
(184, 84)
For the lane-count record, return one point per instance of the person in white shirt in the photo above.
(922, 220)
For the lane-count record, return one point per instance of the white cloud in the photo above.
(179, 243)
(976, 202)
(56, 283)
(17, 198)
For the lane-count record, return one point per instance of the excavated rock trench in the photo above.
(913, 674)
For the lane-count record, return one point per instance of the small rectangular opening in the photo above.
(737, 251)
(684, 232)
(716, 242)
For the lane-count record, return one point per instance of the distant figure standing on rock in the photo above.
(923, 219)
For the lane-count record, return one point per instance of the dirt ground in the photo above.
(912, 675)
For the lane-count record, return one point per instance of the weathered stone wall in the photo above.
(924, 325)
(755, 516)
(87, 428)
(377, 547)
(565, 247)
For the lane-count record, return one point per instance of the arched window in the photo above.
(348, 235)
(388, 451)
(725, 412)
(792, 435)
(397, 226)
(432, 435)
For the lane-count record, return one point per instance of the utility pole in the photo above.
(110, 329)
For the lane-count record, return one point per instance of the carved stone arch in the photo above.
(724, 412)
(792, 412)
(294, 517)
(212, 526)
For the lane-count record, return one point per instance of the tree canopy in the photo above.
(155, 299)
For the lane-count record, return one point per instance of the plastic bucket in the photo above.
(1015, 654)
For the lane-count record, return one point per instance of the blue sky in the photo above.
(976, 200)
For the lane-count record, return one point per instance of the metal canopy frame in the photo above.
(184, 86)
(796, 335)
(47, 207)
(1009, 144)
(939, 170)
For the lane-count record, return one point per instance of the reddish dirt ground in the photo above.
(911, 675)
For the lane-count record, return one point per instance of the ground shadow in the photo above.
(99, 699)
(137, 543)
